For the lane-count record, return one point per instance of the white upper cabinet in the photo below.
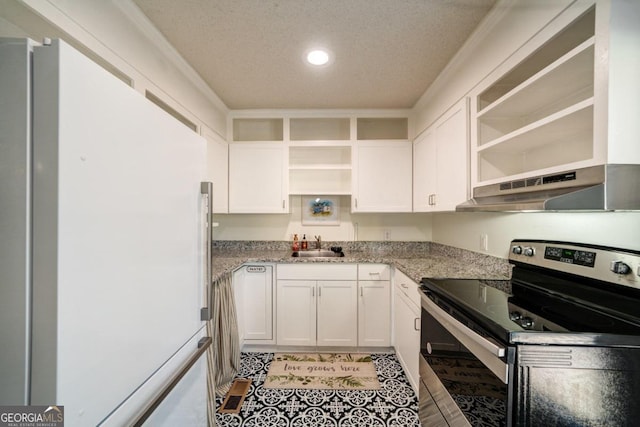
(539, 115)
(321, 153)
(440, 162)
(256, 178)
(382, 176)
(257, 161)
(218, 169)
(382, 165)
(556, 103)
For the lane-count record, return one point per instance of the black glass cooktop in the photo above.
(535, 309)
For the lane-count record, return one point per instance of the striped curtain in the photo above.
(223, 356)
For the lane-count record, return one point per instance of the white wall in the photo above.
(361, 227)
(618, 229)
(119, 37)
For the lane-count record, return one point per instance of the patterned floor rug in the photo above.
(332, 371)
(394, 405)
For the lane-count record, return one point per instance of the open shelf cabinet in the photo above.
(540, 114)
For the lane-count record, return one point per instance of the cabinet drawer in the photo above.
(374, 272)
(317, 271)
(407, 286)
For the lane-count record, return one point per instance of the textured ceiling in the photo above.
(250, 52)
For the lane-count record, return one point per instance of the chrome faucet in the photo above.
(318, 242)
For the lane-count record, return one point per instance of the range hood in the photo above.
(596, 188)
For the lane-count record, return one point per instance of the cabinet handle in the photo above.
(434, 200)
(361, 294)
(416, 323)
(283, 204)
(313, 292)
(319, 292)
(404, 286)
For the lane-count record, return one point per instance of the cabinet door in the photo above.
(257, 281)
(424, 171)
(408, 287)
(383, 176)
(374, 313)
(452, 167)
(218, 170)
(406, 328)
(337, 313)
(296, 306)
(256, 178)
(441, 169)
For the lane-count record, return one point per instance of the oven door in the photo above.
(464, 376)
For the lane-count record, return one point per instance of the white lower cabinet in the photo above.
(406, 326)
(337, 314)
(374, 305)
(253, 292)
(296, 312)
(317, 305)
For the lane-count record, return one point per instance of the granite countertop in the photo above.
(415, 259)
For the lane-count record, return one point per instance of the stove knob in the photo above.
(516, 250)
(515, 315)
(526, 322)
(529, 252)
(620, 267)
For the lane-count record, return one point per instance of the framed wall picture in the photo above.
(320, 210)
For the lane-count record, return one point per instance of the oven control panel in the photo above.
(570, 256)
(614, 265)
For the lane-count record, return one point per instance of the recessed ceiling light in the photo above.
(318, 57)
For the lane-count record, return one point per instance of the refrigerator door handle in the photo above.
(206, 190)
(203, 344)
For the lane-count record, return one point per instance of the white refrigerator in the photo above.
(104, 245)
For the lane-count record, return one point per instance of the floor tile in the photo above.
(394, 405)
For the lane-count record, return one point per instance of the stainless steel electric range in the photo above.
(558, 344)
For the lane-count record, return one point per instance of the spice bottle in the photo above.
(296, 245)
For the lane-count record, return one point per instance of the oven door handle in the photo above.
(488, 352)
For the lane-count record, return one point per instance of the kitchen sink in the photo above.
(318, 253)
